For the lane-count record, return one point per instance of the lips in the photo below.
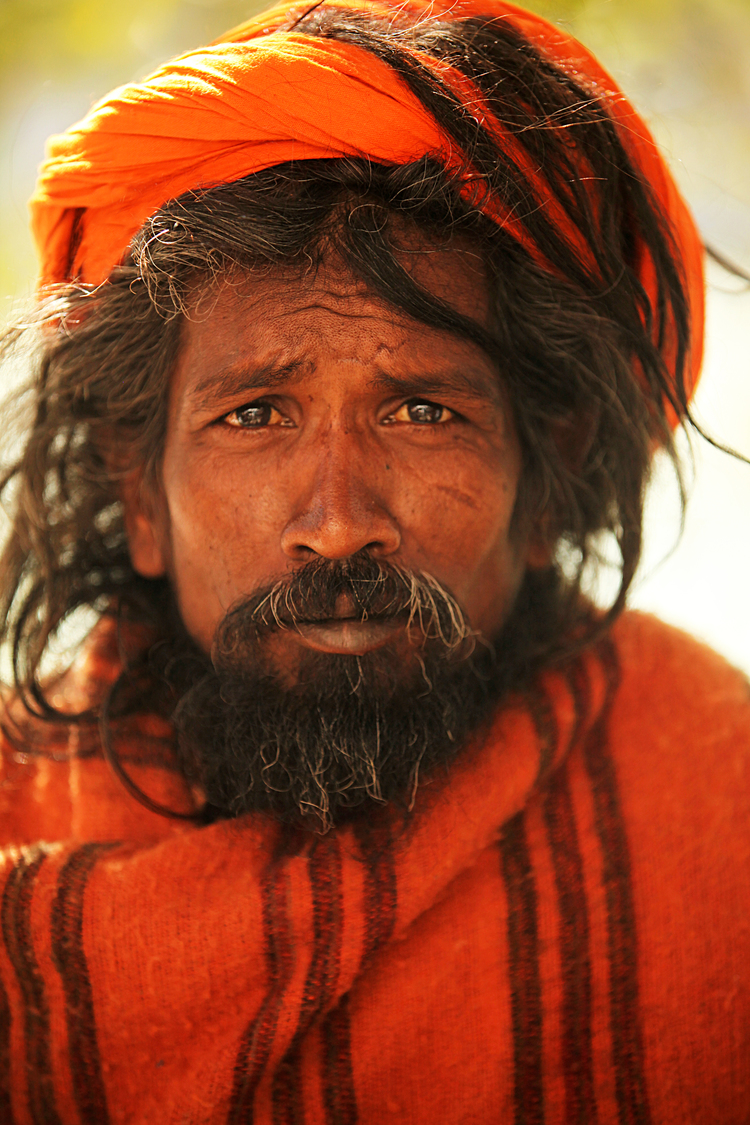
(347, 634)
(349, 629)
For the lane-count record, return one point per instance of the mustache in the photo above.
(371, 589)
(346, 731)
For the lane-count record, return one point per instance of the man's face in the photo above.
(310, 420)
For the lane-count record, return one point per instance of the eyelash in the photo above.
(255, 404)
(426, 402)
(410, 402)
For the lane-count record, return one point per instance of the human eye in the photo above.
(254, 416)
(422, 412)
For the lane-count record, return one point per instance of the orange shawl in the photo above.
(560, 937)
(264, 95)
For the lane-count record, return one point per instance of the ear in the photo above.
(538, 551)
(145, 527)
(145, 514)
(573, 436)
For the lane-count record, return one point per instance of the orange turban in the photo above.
(264, 95)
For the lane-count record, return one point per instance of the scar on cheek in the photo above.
(464, 498)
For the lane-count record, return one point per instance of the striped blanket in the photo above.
(561, 935)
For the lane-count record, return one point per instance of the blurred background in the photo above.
(685, 64)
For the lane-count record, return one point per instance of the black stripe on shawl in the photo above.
(525, 987)
(376, 847)
(6, 1109)
(15, 919)
(376, 850)
(257, 1040)
(575, 954)
(70, 960)
(547, 730)
(627, 1036)
(324, 867)
(338, 1074)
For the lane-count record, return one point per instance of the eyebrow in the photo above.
(466, 381)
(242, 379)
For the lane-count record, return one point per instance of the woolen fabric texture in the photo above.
(561, 936)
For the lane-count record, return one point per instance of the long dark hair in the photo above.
(579, 345)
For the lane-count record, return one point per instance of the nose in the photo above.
(342, 511)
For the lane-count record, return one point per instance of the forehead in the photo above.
(454, 273)
(294, 318)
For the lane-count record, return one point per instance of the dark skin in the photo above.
(309, 419)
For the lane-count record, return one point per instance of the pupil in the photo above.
(257, 414)
(425, 412)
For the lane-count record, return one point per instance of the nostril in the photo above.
(315, 534)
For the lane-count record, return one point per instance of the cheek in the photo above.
(221, 535)
(453, 506)
(456, 512)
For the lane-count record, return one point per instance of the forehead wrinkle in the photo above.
(350, 307)
(244, 377)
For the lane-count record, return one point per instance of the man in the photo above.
(357, 332)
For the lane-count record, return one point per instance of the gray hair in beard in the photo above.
(351, 732)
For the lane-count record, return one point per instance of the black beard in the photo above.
(350, 732)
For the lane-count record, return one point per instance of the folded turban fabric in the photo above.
(265, 94)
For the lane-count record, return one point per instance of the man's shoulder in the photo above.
(680, 717)
(679, 678)
(55, 781)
